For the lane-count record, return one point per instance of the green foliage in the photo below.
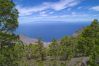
(9, 52)
(8, 15)
(14, 53)
(7, 39)
(35, 51)
(88, 42)
(11, 55)
(53, 49)
(40, 49)
(67, 48)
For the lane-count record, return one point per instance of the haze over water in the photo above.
(49, 31)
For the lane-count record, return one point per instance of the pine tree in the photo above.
(40, 49)
(53, 49)
(8, 23)
(89, 41)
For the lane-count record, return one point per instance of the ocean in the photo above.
(50, 30)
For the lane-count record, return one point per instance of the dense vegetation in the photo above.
(85, 43)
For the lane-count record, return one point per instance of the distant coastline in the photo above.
(27, 40)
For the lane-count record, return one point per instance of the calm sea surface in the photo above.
(49, 31)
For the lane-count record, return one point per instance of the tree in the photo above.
(89, 41)
(53, 49)
(8, 16)
(8, 23)
(67, 48)
(40, 49)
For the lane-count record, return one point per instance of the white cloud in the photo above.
(57, 6)
(73, 17)
(63, 4)
(43, 13)
(95, 8)
(28, 11)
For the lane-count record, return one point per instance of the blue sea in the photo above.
(50, 30)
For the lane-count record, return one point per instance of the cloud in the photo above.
(56, 6)
(43, 13)
(73, 18)
(29, 11)
(62, 4)
(95, 8)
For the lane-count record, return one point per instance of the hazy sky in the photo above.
(57, 10)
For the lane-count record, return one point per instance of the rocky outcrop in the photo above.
(80, 61)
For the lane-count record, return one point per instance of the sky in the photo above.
(57, 10)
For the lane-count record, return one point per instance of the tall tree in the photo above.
(67, 47)
(8, 16)
(41, 49)
(89, 41)
(8, 20)
(53, 49)
(8, 23)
